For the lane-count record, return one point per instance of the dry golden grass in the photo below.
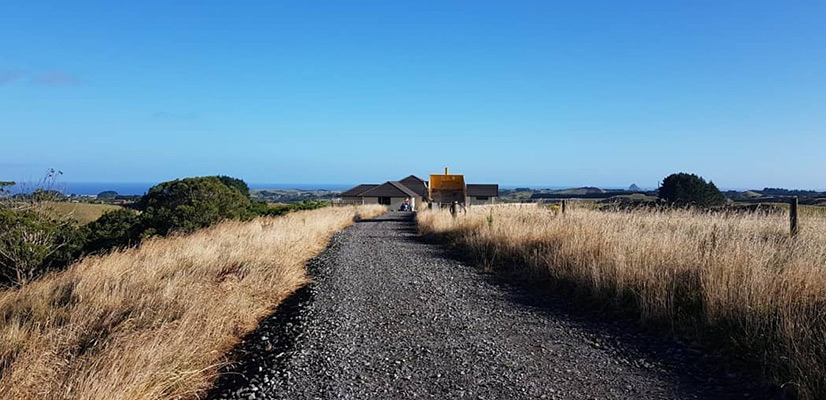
(739, 278)
(156, 322)
(83, 213)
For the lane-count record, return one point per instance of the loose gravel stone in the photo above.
(390, 316)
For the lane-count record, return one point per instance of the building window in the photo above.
(481, 198)
(384, 200)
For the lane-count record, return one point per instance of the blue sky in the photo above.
(540, 93)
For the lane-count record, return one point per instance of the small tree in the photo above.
(690, 189)
(34, 238)
(34, 242)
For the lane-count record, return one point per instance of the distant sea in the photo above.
(131, 188)
(138, 188)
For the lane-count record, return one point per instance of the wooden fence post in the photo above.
(564, 205)
(793, 216)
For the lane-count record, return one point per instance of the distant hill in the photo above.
(634, 188)
(792, 192)
(580, 191)
(586, 192)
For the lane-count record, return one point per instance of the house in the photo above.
(416, 184)
(352, 196)
(482, 193)
(418, 191)
(390, 193)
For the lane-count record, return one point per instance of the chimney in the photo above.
(447, 171)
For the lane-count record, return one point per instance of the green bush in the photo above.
(690, 189)
(33, 243)
(113, 229)
(282, 209)
(107, 195)
(235, 183)
(192, 203)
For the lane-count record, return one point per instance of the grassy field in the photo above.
(83, 213)
(737, 278)
(156, 322)
(806, 211)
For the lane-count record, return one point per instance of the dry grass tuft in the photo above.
(736, 277)
(156, 322)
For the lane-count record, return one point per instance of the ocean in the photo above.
(139, 188)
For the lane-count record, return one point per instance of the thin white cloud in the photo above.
(10, 75)
(54, 78)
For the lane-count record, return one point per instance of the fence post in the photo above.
(793, 217)
(564, 205)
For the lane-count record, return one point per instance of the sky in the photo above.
(540, 93)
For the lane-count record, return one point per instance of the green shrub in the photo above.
(33, 243)
(690, 189)
(282, 209)
(113, 229)
(189, 204)
(235, 183)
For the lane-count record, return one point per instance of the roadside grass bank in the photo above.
(738, 279)
(156, 322)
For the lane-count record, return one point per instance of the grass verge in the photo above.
(156, 322)
(736, 278)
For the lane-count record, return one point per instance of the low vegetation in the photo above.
(34, 241)
(738, 278)
(281, 209)
(82, 213)
(39, 233)
(155, 322)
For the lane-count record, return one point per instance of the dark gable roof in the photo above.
(389, 189)
(358, 190)
(413, 178)
(416, 184)
(483, 190)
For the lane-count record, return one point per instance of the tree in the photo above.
(189, 204)
(107, 195)
(34, 242)
(113, 229)
(690, 189)
(235, 183)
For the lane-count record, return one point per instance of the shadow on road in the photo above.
(721, 375)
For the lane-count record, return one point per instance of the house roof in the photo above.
(389, 189)
(415, 184)
(412, 178)
(482, 190)
(358, 190)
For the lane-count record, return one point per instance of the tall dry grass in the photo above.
(156, 322)
(739, 278)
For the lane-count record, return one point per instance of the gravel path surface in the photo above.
(390, 316)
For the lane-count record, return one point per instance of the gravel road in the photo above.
(390, 316)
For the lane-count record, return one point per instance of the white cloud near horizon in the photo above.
(54, 77)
